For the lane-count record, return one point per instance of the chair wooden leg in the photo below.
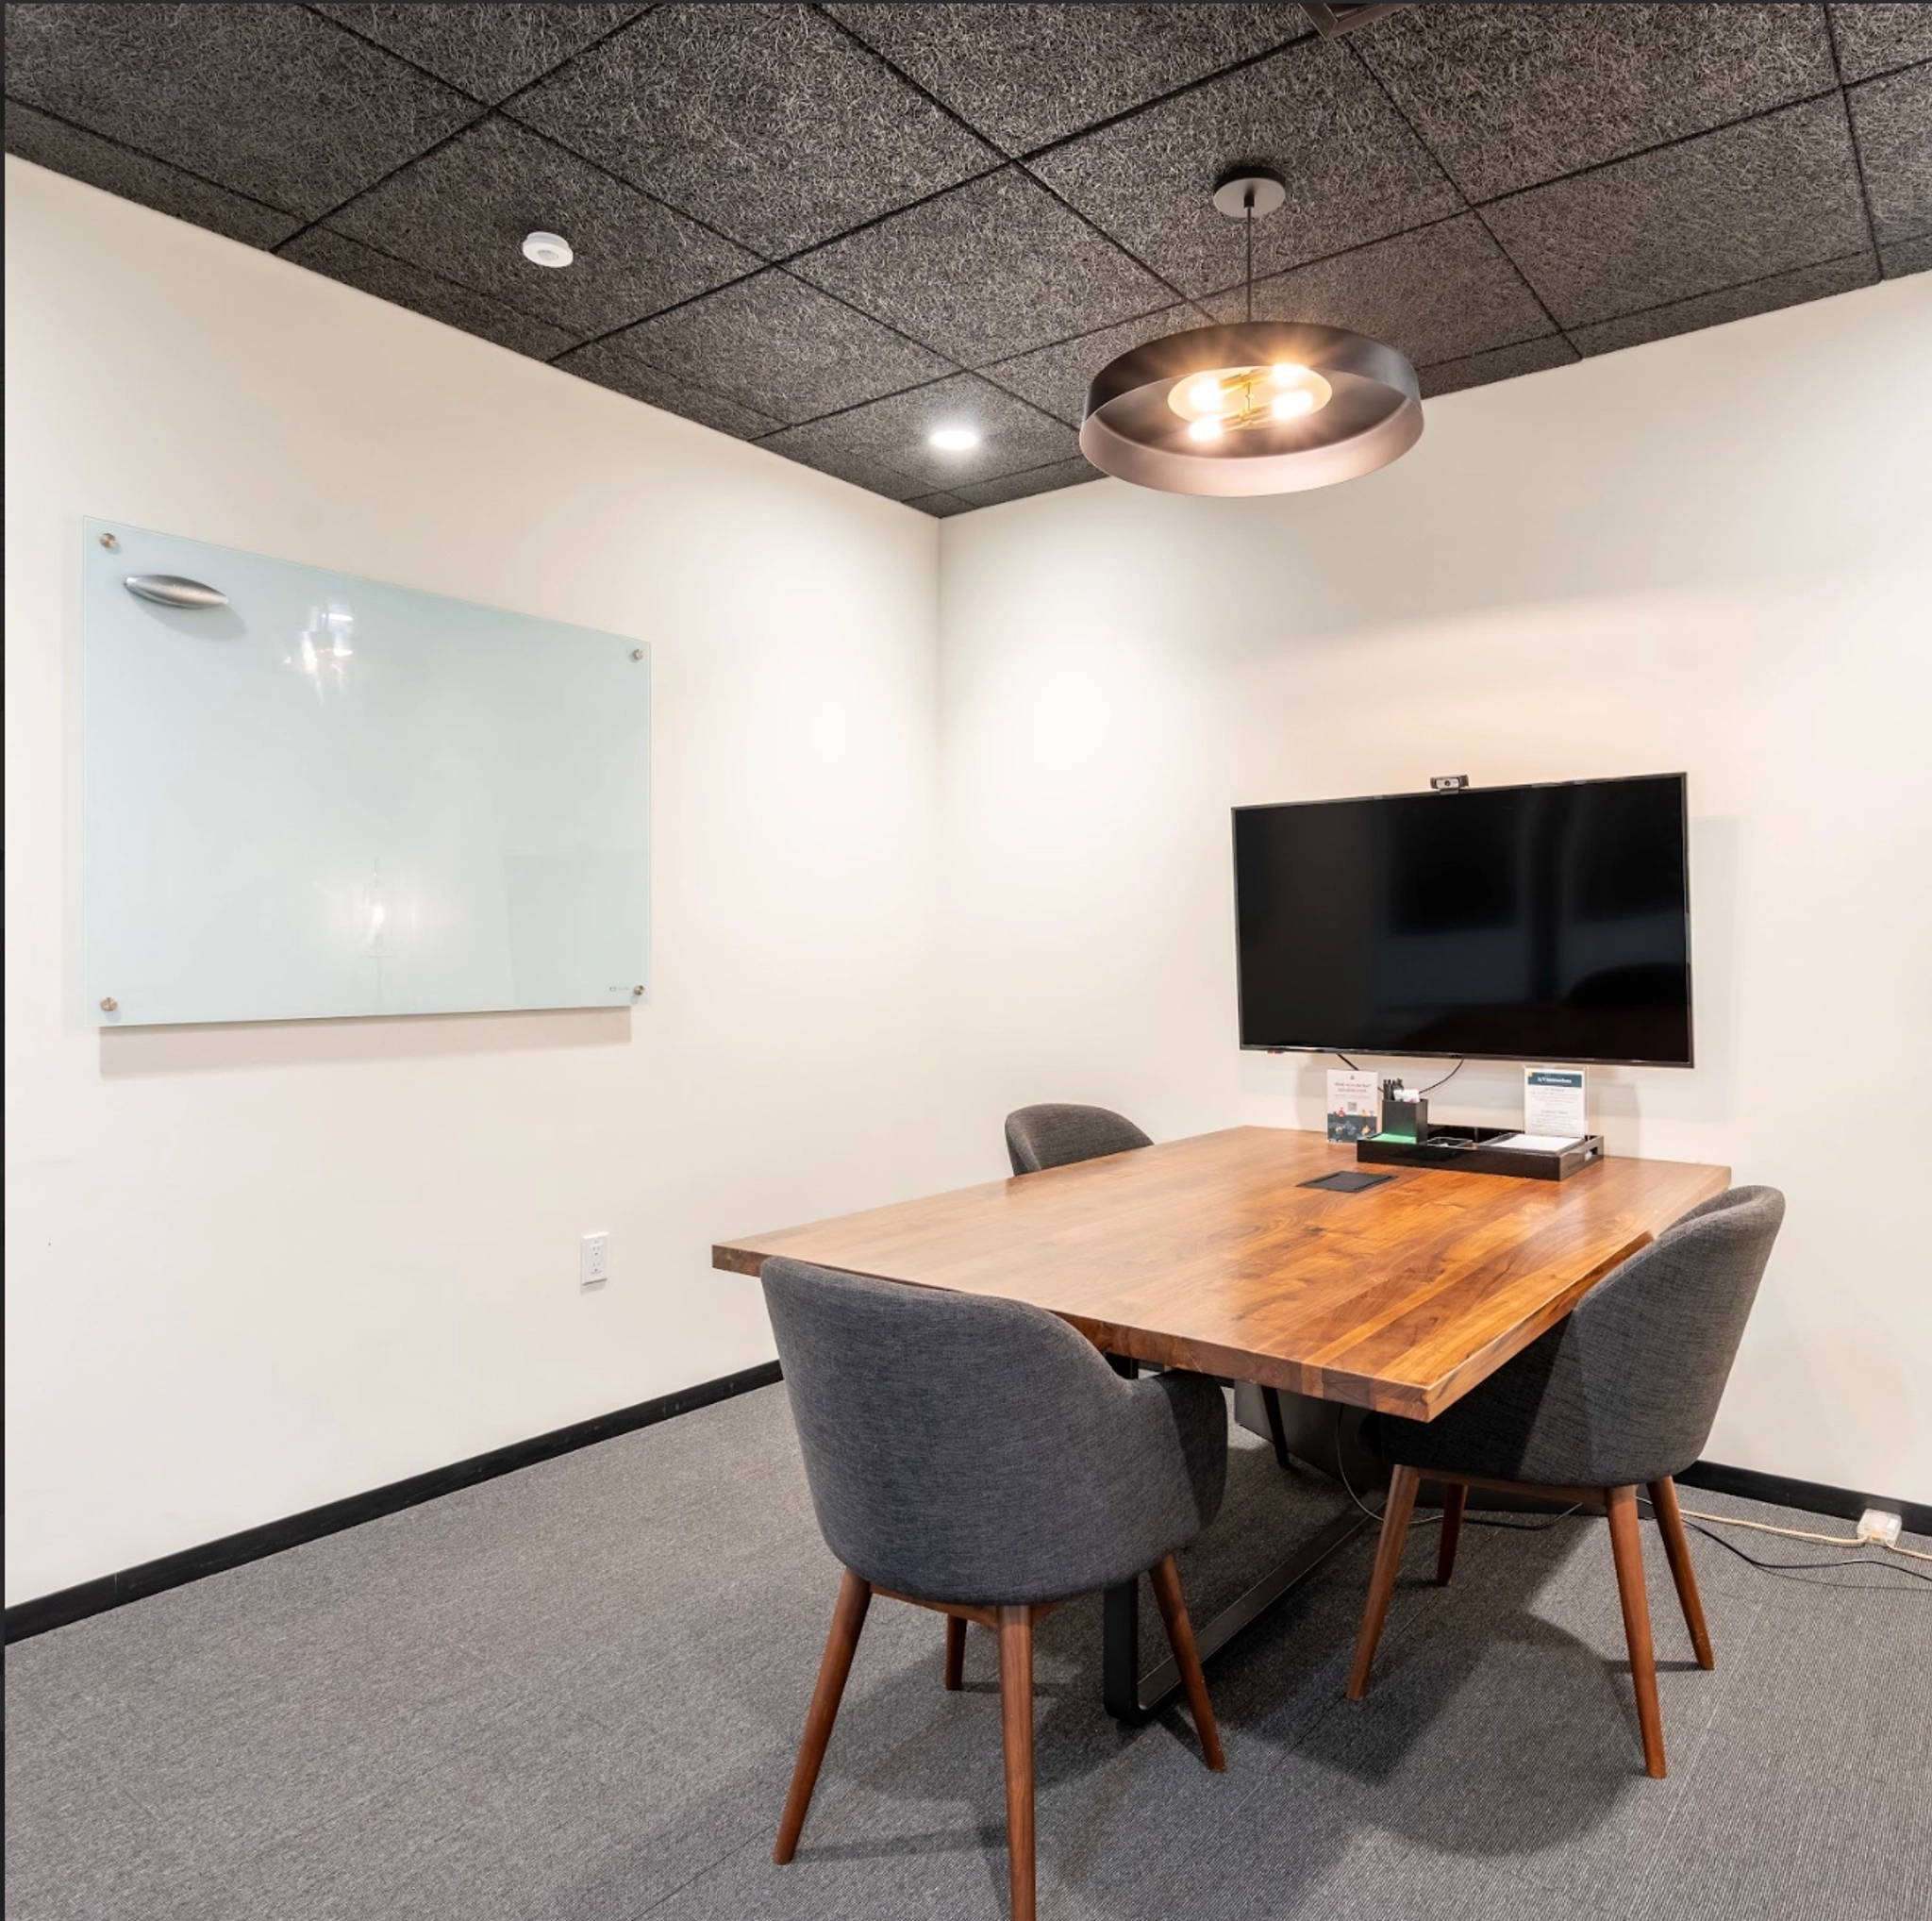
(1166, 1579)
(1626, 1545)
(1277, 1429)
(1455, 1499)
(1016, 1726)
(1396, 1510)
(1670, 1524)
(848, 1617)
(956, 1653)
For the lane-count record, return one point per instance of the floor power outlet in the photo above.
(1877, 1524)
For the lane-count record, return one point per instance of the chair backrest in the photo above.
(1055, 1135)
(963, 1448)
(1631, 1381)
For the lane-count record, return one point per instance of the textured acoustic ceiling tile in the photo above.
(617, 364)
(776, 122)
(355, 265)
(941, 506)
(890, 434)
(1509, 95)
(1049, 479)
(275, 102)
(1906, 256)
(776, 345)
(1354, 171)
(822, 446)
(1892, 120)
(464, 209)
(1499, 363)
(767, 121)
(1025, 74)
(1732, 303)
(135, 177)
(986, 270)
(1732, 206)
(1874, 37)
(1057, 378)
(1436, 295)
(488, 51)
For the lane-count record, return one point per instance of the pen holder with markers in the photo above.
(1405, 1114)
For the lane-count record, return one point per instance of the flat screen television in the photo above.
(1548, 923)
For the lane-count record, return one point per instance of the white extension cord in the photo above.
(1871, 1533)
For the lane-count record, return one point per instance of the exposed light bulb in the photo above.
(952, 440)
(1207, 428)
(1205, 396)
(1287, 405)
(1285, 372)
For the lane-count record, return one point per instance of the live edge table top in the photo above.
(1208, 1253)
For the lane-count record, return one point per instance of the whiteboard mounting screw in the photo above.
(110, 1005)
(108, 542)
(636, 994)
(636, 653)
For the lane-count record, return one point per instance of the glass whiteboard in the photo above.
(329, 796)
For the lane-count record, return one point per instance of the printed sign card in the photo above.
(1553, 1103)
(1351, 1106)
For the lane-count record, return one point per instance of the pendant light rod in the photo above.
(1247, 193)
(1250, 226)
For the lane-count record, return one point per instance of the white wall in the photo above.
(252, 1269)
(1708, 554)
(256, 1268)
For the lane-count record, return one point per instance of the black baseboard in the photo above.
(1811, 1497)
(252, 1544)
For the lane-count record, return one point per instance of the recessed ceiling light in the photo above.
(547, 249)
(954, 440)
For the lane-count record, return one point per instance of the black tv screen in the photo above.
(1516, 923)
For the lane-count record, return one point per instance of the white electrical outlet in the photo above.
(1876, 1523)
(594, 1261)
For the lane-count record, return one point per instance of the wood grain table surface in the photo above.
(1208, 1253)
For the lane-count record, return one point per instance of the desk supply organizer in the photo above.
(1474, 1150)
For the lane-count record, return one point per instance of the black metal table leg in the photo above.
(1120, 1651)
(1277, 1429)
(1128, 1694)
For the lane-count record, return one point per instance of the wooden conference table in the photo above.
(1213, 1254)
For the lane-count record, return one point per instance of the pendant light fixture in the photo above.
(1262, 406)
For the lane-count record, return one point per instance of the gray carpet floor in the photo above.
(574, 1694)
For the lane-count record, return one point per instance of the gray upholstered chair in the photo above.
(1055, 1135)
(1620, 1395)
(977, 1457)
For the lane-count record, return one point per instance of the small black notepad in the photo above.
(1348, 1180)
